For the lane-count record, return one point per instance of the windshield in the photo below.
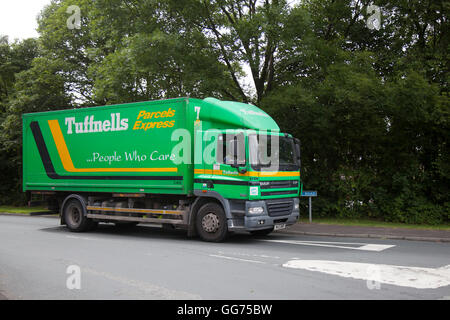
(272, 152)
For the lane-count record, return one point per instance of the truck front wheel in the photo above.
(74, 217)
(211, 222)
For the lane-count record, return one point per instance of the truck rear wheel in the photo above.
(211, 222)
(74, 217)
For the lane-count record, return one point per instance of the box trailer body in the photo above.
(161, 162)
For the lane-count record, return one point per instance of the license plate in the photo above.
(279, 226)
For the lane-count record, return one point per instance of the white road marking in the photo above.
(82, 238)
(248, 255)
(414, 277)
(237, 259)
(155, 291)
(375, 247)
(341, 245)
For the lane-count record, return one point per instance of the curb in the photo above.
(366, 235)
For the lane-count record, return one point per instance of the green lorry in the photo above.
(207, 166)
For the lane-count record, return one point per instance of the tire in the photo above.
(75, 220)
(211, 223)
(261, 233)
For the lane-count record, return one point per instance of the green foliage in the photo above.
(371, 107)
(15, 59)
(373, 121)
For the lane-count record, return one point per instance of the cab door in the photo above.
(202, 174)
(228, 167)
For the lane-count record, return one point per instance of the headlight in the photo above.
(255, 210)
(296, 206)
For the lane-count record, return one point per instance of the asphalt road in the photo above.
(41, 260)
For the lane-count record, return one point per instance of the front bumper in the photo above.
(267, 219)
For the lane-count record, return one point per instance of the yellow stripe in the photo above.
(251, 173)
(278, 174)
(206, 171)
(67, 160)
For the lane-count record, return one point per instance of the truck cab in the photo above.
(244, 162)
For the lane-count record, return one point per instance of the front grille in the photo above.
(279, 184)
(279, 207)
(278, 193)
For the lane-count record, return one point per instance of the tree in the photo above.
(241, 33)
(370, 109)
(15, 58)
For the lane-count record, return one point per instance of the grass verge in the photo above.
(23, 210)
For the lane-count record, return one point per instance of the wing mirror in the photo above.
(297, 151)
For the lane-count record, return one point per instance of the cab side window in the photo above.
(230, 149)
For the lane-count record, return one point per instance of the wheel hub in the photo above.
(75, 215)
(210, 223)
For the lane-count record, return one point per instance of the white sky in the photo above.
(18, 18)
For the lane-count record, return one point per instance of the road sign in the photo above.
(309, 193)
